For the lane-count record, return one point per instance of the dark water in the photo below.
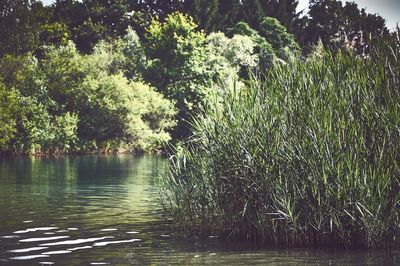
(100, 210)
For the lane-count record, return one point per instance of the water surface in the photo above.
(102, 210)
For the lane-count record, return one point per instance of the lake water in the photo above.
(103, 210)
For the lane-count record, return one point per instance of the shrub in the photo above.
(8, 110)
(238, 50)
(177, 67)
(263, 48)
(151, 116)
(277, 35)
(68, 102)
(185, 65)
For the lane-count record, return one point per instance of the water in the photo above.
(102, 210)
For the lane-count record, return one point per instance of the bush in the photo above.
(8, 109)
(277, 35)
(185, 65)
(150, 117)
(113, 112)
(238, 50)
(68, 102)
(177, 67)
(263, 48)
(125, 55)
(308, 156)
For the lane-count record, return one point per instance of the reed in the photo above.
(308, 155)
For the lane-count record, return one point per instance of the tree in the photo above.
(134, 55)
(9, 109)
(110, 108)
(39, 124)
(220, 15)
(27, 26)
(229, 13)
(18, 34)
(88, 34)
(92, 21)
(54, 34)
(177, 68)
(262, 47)
(204, 13)
(159, 8)
(341, 26)
(280, 39)
(254, 11)
(151, 117)
(66, 101)
(238, 52)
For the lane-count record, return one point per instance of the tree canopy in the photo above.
(87, 75)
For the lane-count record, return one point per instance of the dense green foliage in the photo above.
(339, 25)
(61, 57)
(281, 41)
(8, 111)
(27, 25)
(178, 67)
(308, 156)
(186, 65)
(100, 101)
(67, 102)
(266, 53)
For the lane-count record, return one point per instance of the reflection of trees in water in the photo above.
(37, 172)
(118, 189)
(90, 190)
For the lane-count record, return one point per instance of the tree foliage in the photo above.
(85, 75)
(72, 102)
(186, 65)
(262, 47)
(177, 67)
(276, 34)
(339, 25)
(9, 109)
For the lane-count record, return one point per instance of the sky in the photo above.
(388, 9)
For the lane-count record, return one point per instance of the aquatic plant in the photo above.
(307, 156)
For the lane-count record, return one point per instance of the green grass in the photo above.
(308, 156)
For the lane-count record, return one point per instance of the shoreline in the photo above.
(98, 152)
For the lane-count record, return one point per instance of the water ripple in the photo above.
(79, 248)
(108, 229)
(40, 239)
(76, 241)
(101, 244)
(35, 229)
(25, 250)
(31, 257)
(57, 252)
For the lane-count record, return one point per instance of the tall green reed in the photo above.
(307, 156)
